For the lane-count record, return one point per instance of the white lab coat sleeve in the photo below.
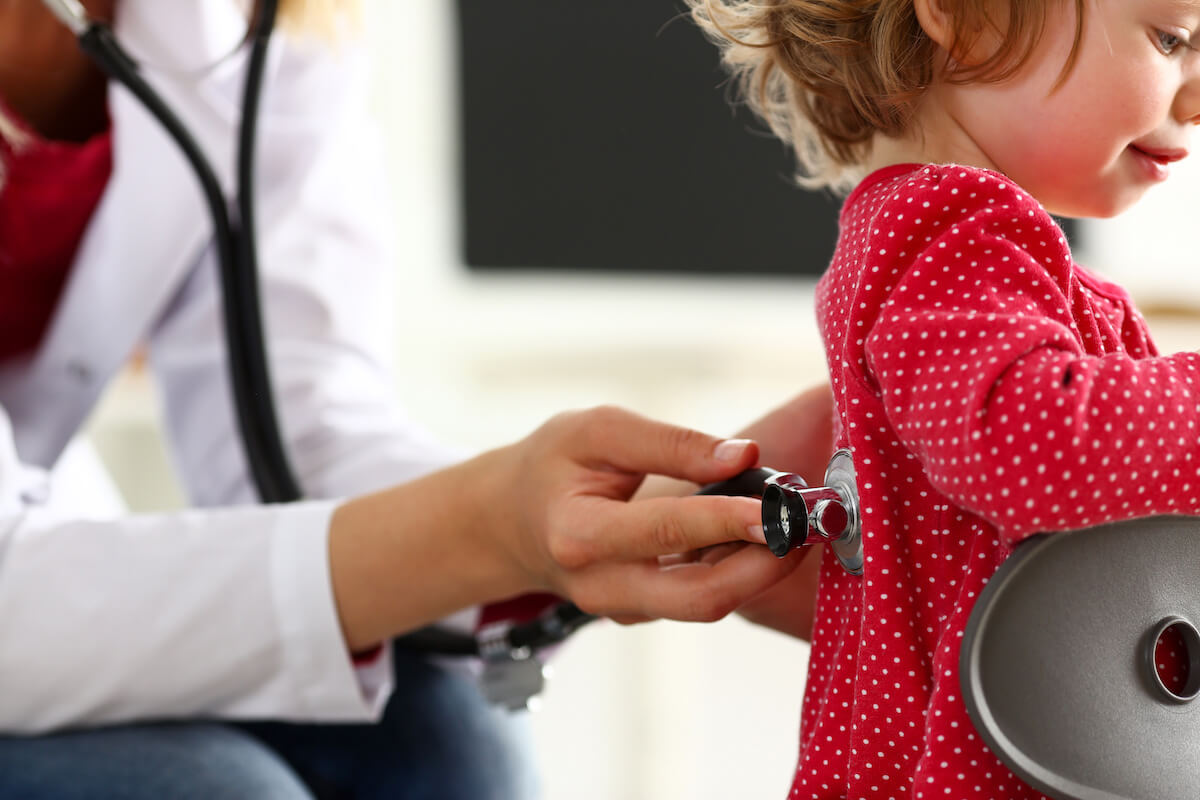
(327, 291)
(224, 613)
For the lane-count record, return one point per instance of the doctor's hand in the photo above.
(797, 436)
(552, 513)
(583, 540)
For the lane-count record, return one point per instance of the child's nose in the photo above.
(1187, 112)
(1187, 102)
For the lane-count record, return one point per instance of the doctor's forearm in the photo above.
(550, 513)
(411, 555)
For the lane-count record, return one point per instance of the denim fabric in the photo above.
(438, 739)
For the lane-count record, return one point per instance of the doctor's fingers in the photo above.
(695, 592)
(613, 438)
(600, 530)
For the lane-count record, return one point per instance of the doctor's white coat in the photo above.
(225, 610)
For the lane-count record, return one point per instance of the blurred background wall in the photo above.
(488, 351)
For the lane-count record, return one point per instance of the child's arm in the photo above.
(1026, 399)
(790, 605)
(798, 435)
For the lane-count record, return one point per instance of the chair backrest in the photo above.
(1058, 668)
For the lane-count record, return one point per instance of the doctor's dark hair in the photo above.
(827, 75)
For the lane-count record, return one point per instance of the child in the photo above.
(988, 387)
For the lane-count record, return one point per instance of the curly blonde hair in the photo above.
(827, 75)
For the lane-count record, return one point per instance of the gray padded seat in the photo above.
(1057, 661)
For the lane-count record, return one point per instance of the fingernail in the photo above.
(756, 533)
(731, 450)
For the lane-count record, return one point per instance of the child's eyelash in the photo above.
(1167, 42)
(1170, 42)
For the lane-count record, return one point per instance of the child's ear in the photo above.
(936, 21)
(967, 45)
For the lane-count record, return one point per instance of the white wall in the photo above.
(1151, 249)
(582, 338)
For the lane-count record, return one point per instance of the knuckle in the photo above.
(558, 420)
(607, 413)
(589, 601)
(588, 429)
(561, 423)
(681, 442)
(711, 605)
(599, 422)
(670, 535)
(571, 552)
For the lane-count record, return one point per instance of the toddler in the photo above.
(988, 386)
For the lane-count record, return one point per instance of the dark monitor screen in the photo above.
(597, 135)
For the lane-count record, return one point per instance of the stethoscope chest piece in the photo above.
(848, 547)
(795, 515)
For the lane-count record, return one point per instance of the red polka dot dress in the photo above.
(989, 388)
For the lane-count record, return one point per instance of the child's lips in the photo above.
(1155, 161)
(1163, 155)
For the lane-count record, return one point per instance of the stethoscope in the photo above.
(794, 515)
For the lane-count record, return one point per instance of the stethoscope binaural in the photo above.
(794, 514)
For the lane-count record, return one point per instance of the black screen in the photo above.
(597, 135)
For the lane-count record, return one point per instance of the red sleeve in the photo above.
(366, 658)
(1018, 399)
(522, 608)
(515, 610)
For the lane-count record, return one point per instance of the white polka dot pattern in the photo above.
(989, 388)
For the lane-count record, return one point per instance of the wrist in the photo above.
(408, 556)
(487, 517)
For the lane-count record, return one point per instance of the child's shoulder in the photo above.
(924, 184)
(925, 200)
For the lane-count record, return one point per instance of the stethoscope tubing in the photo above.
(236, 249)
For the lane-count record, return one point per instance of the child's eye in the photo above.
(1167, 42)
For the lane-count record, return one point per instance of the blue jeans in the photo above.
(438, 740)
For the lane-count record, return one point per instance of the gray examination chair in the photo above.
(1058, 669)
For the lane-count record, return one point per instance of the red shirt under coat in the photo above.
(48, 195)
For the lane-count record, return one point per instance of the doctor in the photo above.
(133, 649)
